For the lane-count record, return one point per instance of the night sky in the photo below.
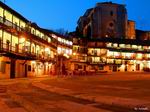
(56, 14)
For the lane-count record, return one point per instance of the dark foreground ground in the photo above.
(112, 92)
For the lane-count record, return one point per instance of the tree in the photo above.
(62, 31)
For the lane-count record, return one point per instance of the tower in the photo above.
(105, 20)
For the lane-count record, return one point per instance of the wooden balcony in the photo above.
(23, 54)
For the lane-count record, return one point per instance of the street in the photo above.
(110, 92)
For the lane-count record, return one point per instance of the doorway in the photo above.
(26, 70)
(12, 68)
(138, 67)
(114, 68)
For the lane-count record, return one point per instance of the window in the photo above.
(7, 37)
(8, 16)
(0, 34)
(29, 68)
(16, 21)
(1, 11)
(101, 67)
(49, 39)
(111, 24)
(111, 13)
(33, 30)
(22, 24)
(14, 43)
(32, 48)
(38, 33)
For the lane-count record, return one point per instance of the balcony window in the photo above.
(134, 46)
(109, 44)
(110, 54)
(129, 55)
(59, 50)
(139, 56)
(98, 52)
(47, 51)
(97, 59)
(103, 51)
(95, 52)
(52, 54)
(37, 49)
(110, 61)
(8, 15)
(145, 47)
(14, 43)
(49, 39)
(70, 43)
(1, 11)
(27, 46)
(38, 33)
(67, 51)
(59, 39)
(139, 47)
(33, 31)
(122, 45)
(148, 56)
(32, 48)
(54, 36)
(128, 46)
(115, 45)
(7, 37)
(70, 52)
(22, 24)
(89, 51)
(42, 36)
(67, 42)
(0, 34)
(118, 61)
(15, 21)
(116, 54)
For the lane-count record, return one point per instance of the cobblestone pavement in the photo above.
(35, 99)
(115, 92)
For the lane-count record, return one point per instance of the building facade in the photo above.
(112, 42)
(26, 50)
(106, 19)
(104, 41)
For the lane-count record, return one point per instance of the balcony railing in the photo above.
(7, 48)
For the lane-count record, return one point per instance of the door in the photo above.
(138, 67)
(114, 68)
(126, 68)
(26, 70)
(12, 68)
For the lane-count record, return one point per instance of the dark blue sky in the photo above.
(55, 14)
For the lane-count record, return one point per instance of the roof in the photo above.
(88, 11)
(20, 16)
(13, 11)
(110, 3)
(52, 32)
